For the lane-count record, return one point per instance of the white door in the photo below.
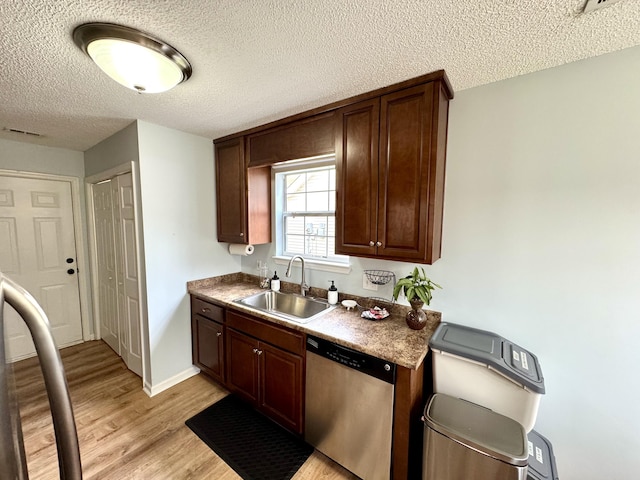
(38, 251)
(106, 267)
(117, 268)
(126, 253)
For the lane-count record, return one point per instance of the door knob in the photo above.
(69, 260)
(71, 271)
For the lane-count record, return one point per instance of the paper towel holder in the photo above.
(241, 249)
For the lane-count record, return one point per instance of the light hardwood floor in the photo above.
(123, 433)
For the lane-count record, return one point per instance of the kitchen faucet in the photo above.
(304, 288)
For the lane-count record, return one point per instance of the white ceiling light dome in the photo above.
(133, 58)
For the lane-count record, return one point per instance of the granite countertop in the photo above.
(390, 339)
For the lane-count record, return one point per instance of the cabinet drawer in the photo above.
(275, 335)
(206, 309)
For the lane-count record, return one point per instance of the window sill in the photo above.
(313, 264)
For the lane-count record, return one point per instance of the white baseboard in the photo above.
(152, 390)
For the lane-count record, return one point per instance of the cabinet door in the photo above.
(281, 387)
(242, 365)
(231, 192)
(406, 124)
(208, 346)
(357, 178)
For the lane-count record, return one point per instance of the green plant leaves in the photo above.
(402, 284)
(410, 292)
(416, 285)
(424, 295)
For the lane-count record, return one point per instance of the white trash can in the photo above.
(464, 441)
(487, 369)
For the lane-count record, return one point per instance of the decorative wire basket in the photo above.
(371, 302)
(380, 277)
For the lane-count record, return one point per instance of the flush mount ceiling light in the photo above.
(132, 58)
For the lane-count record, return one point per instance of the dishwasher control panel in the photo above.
(362, 362)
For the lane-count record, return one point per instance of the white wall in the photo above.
(179, 211)
(27, 157)
(118, 149)
(542, 245)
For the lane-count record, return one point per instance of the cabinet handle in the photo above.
(378, 244)
(371, 243)
(259, 352)
(205, 310)
(255, 350)
(219, 334)
(242, 234)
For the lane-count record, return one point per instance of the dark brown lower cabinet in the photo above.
(207, 344)
(242, 371)
(209, 340)
(269, 377)
(263, 363)
(281, 386)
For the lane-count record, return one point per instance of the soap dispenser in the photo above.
(275, 282)
(332, 295)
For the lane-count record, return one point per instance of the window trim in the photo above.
(333, 264)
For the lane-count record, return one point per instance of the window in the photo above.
(305, 211)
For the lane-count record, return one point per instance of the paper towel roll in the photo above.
(240, 249)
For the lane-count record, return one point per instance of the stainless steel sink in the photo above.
(289, 306)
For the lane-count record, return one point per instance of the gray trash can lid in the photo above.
(477, 427)
(542, 462)
(496, 352)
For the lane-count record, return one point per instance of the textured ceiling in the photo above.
(259, 60)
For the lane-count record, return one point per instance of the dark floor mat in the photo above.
(251, 444)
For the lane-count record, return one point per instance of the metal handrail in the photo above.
(54, 377)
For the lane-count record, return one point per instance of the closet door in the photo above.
(117, 266)
(106, 265)
(127, 272)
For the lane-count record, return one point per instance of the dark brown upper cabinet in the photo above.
(309, 137)
(390, 159)
(390, 147)
(243, 196)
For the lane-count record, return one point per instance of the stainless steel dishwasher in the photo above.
(349, 407)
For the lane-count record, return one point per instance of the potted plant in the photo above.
(417, 288)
